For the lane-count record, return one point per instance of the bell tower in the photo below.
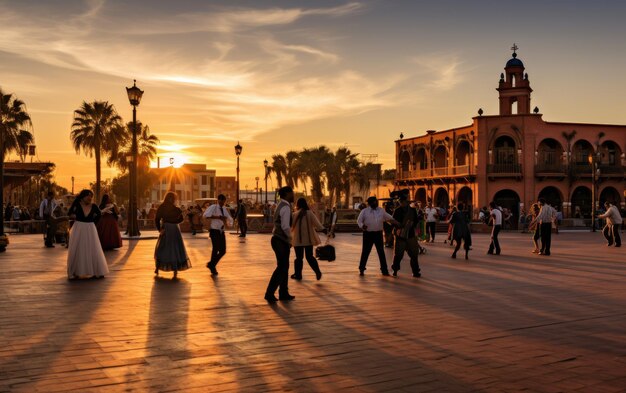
(514, 88)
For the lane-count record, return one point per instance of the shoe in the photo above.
(318, 275)
(609, 244)
(489, 252)
(498, 253)
(270, 298)
(618, 245)
(361, 272)
(50, 245)
(453, 256)
(286, 297)
(395, 273)
(386, 274)
(156, 271)
(535, 251)
(417, 275)
(466, 256)
(546, 254)
(296, 277)
(214, 271)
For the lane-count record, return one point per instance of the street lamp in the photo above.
(257, 189)
(266, 169)
(72, 185)
(134, 97)
(238, 150)
(592, 163)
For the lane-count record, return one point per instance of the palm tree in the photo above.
(279, 167)
(24, 139)
(13, 118)
(314, 162)
(293, 175)
(146, 148)
(97, 129)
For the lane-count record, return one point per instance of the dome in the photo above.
(514, 62)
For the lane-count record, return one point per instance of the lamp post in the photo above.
(134, 97)
(238, 150)
(592, 163)
(257, 189)
(72, 185)
(266, 169)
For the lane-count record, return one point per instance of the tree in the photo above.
(293, 174)
(279, 167)
(389, 174)
(97, 129)
(314, 162)
(23, 140)
(146, 148)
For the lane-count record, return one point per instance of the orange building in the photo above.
(515, 157)
(226, 185)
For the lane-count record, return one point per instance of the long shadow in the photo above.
(76, 303)
(166, 341)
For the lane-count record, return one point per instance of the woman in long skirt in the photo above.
(170, 253)
(85, 257)
(108, 230)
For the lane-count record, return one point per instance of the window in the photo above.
(204, 180)
(204, 194)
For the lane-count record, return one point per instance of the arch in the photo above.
(442, 198)
(420, 195)
(439, 157)
(581, 151)
(553, 196)
(462, 153)
(610, 194)
(550, 154)
(581, 202)
(504, 150)
(610, 154)
(421, 158)
(405, 161)
(465, 196)
(508, 200)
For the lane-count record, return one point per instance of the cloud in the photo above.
(443, 70)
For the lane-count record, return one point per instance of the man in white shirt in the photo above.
(496, 216)
(431, 214)
(46, 212)
(371, 220)
(218, 216)
(281, 244)
(613, 222)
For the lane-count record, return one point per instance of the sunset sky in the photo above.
(280, 75)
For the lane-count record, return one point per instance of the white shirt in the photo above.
(373, 219)
(285, 219)
(612, 215)
(44, 205)
(497, 217)
(430, 214)
(217, 210)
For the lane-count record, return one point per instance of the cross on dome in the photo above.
(514, 48)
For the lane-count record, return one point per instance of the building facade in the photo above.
(515, 157)
(190, 182)
(226, 185)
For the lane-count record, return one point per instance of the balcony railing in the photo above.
(543, 168)
(612, 170)
(429, 173)
(504, 169)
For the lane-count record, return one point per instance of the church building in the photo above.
(515, 157)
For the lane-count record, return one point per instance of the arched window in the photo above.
(405, 161)
(504, 151)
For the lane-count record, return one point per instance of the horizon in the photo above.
(283, 75)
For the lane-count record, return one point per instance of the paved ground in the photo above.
(509, 323)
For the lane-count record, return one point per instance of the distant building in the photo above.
(226, 185)
(190, 182)
(515, 157)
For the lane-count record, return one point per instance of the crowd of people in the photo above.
(399, 224)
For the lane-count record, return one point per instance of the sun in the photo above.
(167, 159)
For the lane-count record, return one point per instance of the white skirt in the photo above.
(85, 256)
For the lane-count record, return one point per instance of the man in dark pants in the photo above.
(406, 240)
(218, 216)
(46, 212)
(496, 217)
(242, 218)
(281, 244)
(371, 220)
(546, 215)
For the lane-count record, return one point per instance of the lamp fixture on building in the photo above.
(238, 150)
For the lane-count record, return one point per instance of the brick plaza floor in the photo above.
(510, 323)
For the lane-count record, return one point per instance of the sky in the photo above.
(282, 75)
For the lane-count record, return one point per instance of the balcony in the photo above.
(612, 170)
(504, 170)
(437, 173)
(550, 170)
